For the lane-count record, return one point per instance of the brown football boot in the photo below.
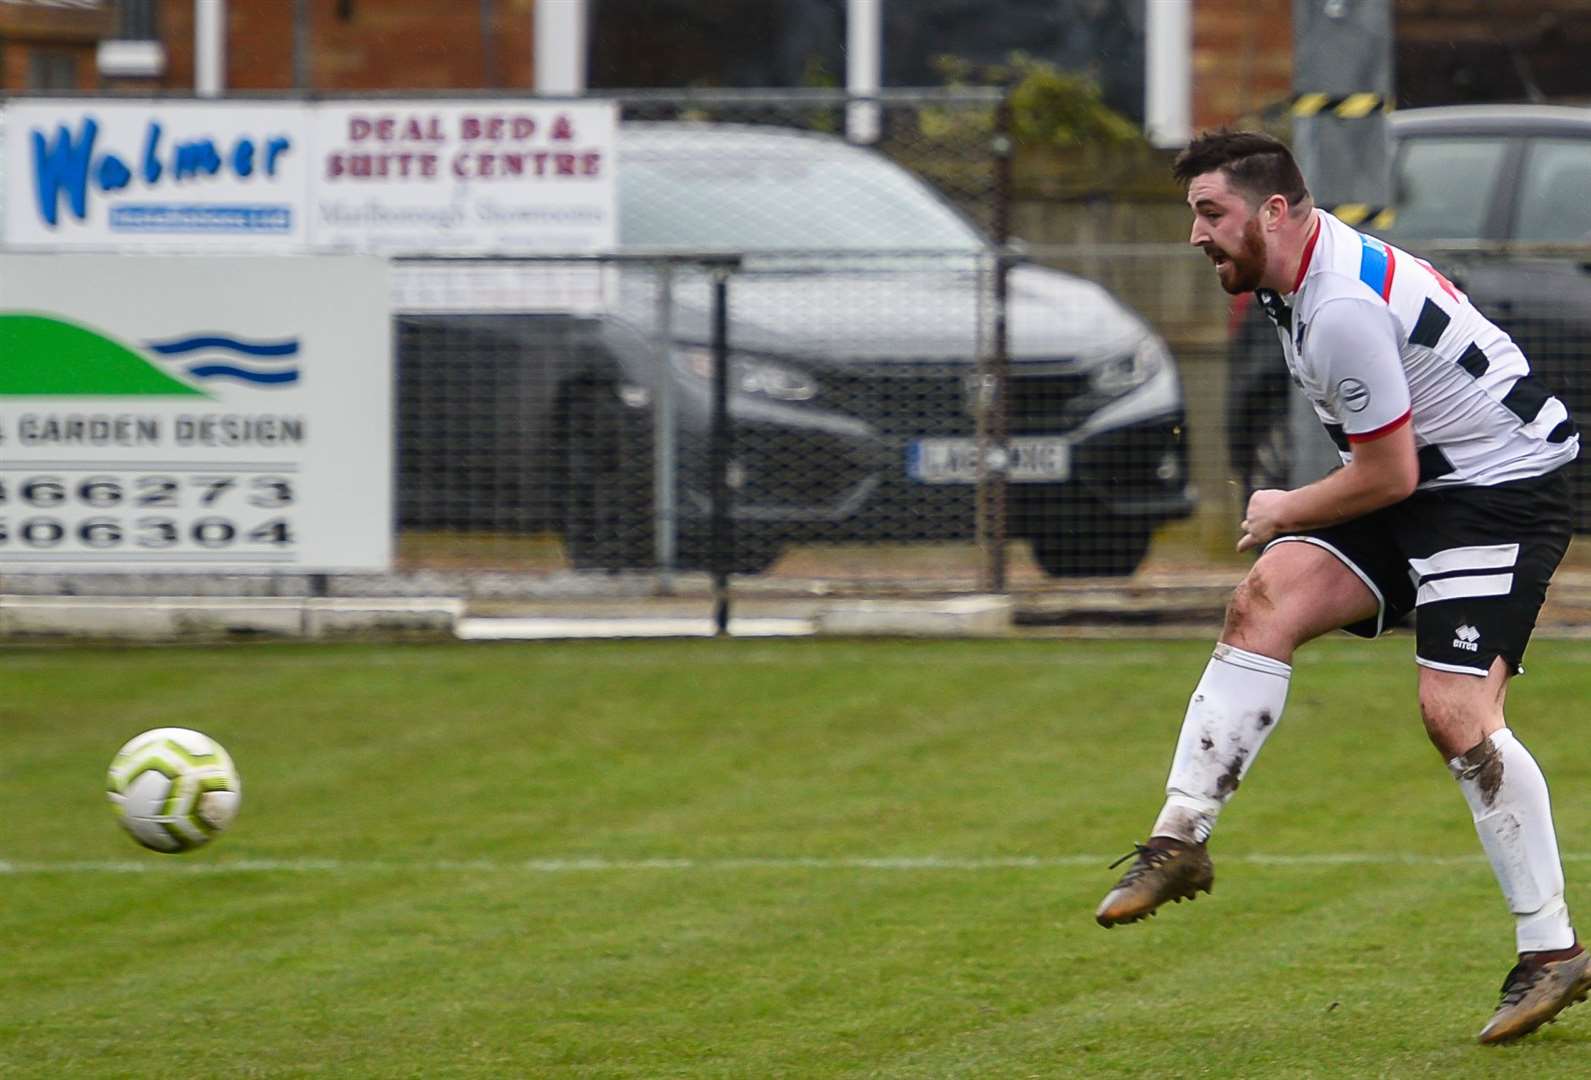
(1534, 993)
(1175, 871)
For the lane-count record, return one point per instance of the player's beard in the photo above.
(1245, 268)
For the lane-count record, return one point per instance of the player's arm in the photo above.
(1384, 470)
(1371, 396)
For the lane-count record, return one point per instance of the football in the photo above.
(173, 789)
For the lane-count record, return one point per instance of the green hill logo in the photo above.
(40, 355)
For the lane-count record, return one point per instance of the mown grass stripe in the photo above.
(600, 865)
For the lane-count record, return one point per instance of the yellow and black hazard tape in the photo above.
(1346, 106)
(1376, 217)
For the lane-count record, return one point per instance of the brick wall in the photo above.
(363, 44)
(1242, 59)
(26, 28)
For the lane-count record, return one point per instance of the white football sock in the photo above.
(1507, 796)
(1235, 706)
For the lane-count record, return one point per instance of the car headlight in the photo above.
(751, 375)
(1131, 370)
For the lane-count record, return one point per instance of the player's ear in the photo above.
(1273, 210)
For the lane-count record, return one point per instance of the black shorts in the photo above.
(1472, 563)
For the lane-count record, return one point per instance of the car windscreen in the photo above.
(779, 202)
(1555, 191)
(1442, 186)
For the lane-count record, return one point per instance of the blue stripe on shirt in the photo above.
(1373, 264)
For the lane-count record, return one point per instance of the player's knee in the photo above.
(1252, 608)
(1437, 714)
(1452, 727)
(1459, 712)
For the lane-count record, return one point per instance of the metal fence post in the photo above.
(993, 373)
(303, 62)
(664, 500)
(721, 537)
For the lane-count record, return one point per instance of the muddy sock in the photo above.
(1234, 708)
(1507, 797)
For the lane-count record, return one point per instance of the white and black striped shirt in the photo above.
(1374, 337)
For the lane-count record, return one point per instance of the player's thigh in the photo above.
(1295, 592)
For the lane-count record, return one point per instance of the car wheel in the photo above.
(606, 482)
(1110, 547)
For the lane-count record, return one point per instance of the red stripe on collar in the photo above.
(1303, 264)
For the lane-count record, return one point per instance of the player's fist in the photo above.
(1263, 521)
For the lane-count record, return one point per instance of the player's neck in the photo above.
(1298, 248)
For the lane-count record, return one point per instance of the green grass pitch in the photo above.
(752, 860)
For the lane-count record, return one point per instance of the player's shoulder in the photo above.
(1328, 284)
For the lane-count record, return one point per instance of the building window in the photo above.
(52, 69)
(135, 20)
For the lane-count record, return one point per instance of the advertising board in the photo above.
(195, 413)
(89, 175)
(491, 176)
(499, 176)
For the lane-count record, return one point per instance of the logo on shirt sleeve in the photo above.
(1353, 394)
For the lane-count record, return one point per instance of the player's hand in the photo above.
(1262, 523)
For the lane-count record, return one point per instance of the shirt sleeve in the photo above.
(1355, 345)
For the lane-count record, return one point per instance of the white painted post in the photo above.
(561, 47)
(209, 47)
(1168, 73)
(864, 67)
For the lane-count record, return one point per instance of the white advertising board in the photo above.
(503, 176)
(496, 176)
(195, 413)
(138, 175)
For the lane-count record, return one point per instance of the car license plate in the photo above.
(1034, 460)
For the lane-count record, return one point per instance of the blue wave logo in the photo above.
(264, 363)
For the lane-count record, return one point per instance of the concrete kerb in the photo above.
(138, 618)
(142, 618)
(983, 615)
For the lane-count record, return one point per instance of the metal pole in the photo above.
(994, 375)
(488, 44)
(864, 64)
(721, 535)
(209, 47)
(1168, 73)
(561, 47)
(663, 445)
(1344, 70)
(303, 77)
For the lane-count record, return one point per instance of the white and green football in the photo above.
(173, 789)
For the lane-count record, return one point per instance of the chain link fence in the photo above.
(903, 400)
(818, 366)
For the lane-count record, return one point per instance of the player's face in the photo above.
(1228, 231)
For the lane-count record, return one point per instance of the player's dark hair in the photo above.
(1255, 164)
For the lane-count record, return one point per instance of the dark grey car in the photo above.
(854, 328)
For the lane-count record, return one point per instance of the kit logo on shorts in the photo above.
(1465, 638)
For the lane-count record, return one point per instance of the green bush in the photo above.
(1049, 107)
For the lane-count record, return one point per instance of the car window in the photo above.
(746, 200)
(1555, 195)
(1442, 186)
